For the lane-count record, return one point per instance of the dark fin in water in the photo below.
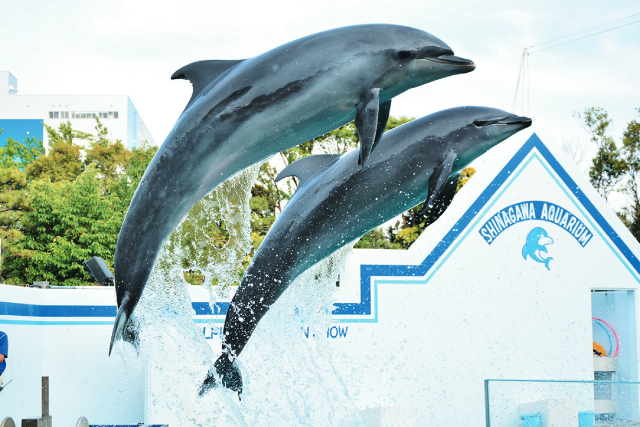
(307, 167)
(121, 320)
(223, 371)
(367, 113)
(201, 73)
(442, 201)
(437, 183)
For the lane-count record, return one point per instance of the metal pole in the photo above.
(486, 402)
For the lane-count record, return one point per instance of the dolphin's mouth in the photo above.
(445, 56)
(525, 122)
(454, 60)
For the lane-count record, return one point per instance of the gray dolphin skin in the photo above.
(243, 111)
(337, 201)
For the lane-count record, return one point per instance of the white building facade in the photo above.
(22, 116)
(513, 283)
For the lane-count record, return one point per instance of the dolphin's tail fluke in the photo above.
(546, 262)
(121, 320)
(225, 372)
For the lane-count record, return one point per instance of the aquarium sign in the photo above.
(535, 210)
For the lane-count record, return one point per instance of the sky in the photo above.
(132, 47)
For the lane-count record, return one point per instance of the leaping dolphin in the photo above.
(337, 201)
(243, 111)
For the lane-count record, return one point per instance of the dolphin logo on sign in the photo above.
(537, 241)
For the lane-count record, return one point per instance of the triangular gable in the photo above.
(373, 275)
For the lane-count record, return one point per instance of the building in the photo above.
(525, 275)
(22, 116)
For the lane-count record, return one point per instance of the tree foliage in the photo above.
(61, 207)
(608, 166)
(58, 209)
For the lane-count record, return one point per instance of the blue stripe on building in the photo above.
(20, 129)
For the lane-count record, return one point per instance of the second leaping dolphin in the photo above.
(337, 201)
(241, 112)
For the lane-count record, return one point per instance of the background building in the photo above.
(22, 116)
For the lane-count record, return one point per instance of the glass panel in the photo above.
(562, 403)
(111, 114)
(56, 115)
(115, 114)
(51, 114)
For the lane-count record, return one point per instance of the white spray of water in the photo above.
(288, 377)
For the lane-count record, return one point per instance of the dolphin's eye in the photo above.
(404, 54)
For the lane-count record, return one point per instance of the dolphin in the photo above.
(537, 241)
(337, 201)
(243, 111)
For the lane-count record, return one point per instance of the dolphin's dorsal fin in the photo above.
(201, 73)
(307, 167)
(442, 188)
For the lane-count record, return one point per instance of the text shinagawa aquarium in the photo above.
(538, 211)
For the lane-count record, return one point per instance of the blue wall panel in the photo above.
(20, 129)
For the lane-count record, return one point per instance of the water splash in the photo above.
(289, 379)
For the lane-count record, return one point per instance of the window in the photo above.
(92, 114)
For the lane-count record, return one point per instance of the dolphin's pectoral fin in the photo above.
(307, 167)
(442, 200)
(367, 113)
(225, 372)
(439, 182)
(202, 73)
(383, 118)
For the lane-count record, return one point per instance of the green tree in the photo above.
(74, 200)
(68, 223)
(608, 167)
(630, 215)
(20, 154)
(14, 204)
(63, 161)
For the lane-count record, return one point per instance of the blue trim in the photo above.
(367, 272)
(31, 310)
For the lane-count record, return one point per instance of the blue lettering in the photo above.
(552, 210)
(544, 214)
(586, 236)
(558, 215)
(565, 218)
(491, 229)
(519, 216)
(343, 332)
(333, 328)
(507, 221)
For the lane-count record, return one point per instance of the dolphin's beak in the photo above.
(455, 61)
(525, 122)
